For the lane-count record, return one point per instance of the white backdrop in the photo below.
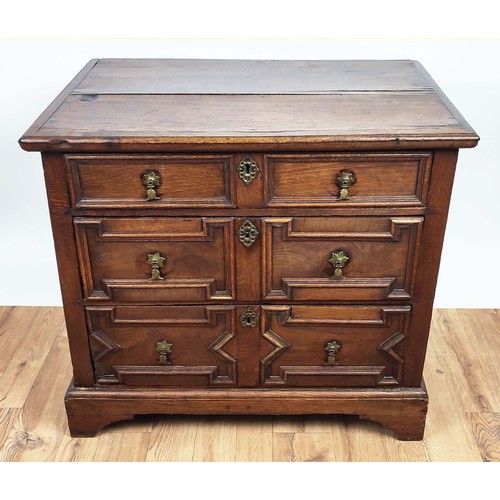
(35, 71)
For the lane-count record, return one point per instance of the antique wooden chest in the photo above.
(249, 237)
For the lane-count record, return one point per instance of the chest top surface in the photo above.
(188, 105)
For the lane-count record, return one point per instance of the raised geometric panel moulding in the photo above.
(206, 234)
(217, 348)
(218, 344)
(311, 288)
(109, 346)
(392, 234)
(198, 289)
(386, 347)
(280, 346)
(200, 229)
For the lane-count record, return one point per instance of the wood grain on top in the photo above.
(168, 105)
(206, 76)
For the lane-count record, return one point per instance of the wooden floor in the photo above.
(462, 375)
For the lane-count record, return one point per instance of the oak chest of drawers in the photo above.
(249, 237)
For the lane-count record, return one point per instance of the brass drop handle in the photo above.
(247, 170)
(152, 181)
(338, 260)
(332, 348)
(155, 260)
(164, 348)
(345, 180)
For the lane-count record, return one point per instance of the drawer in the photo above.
(156, 259)
(339, 258)
(332, 346)
(121, 181)
(370, 179)
(163, 345)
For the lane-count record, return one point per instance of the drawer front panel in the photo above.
(336, 346)
(379, 179)
(163, 345)
(121, 259)
(376, 258)
(117, 181)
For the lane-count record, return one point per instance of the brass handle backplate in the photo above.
(338, 260)
(345, 180)
(248, 234)
(247, 170)
(152, 181)
(248, 318)
(155, 260)
(332, 348)
(164, 348)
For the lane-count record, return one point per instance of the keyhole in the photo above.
(248, 319)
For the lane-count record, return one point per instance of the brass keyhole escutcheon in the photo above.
(248, 233)
(247, 170)
(332, 348)
(152, 181)
(248, 318)
(345, 180)
(164, 348)
(338, 260)
(155, 260)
